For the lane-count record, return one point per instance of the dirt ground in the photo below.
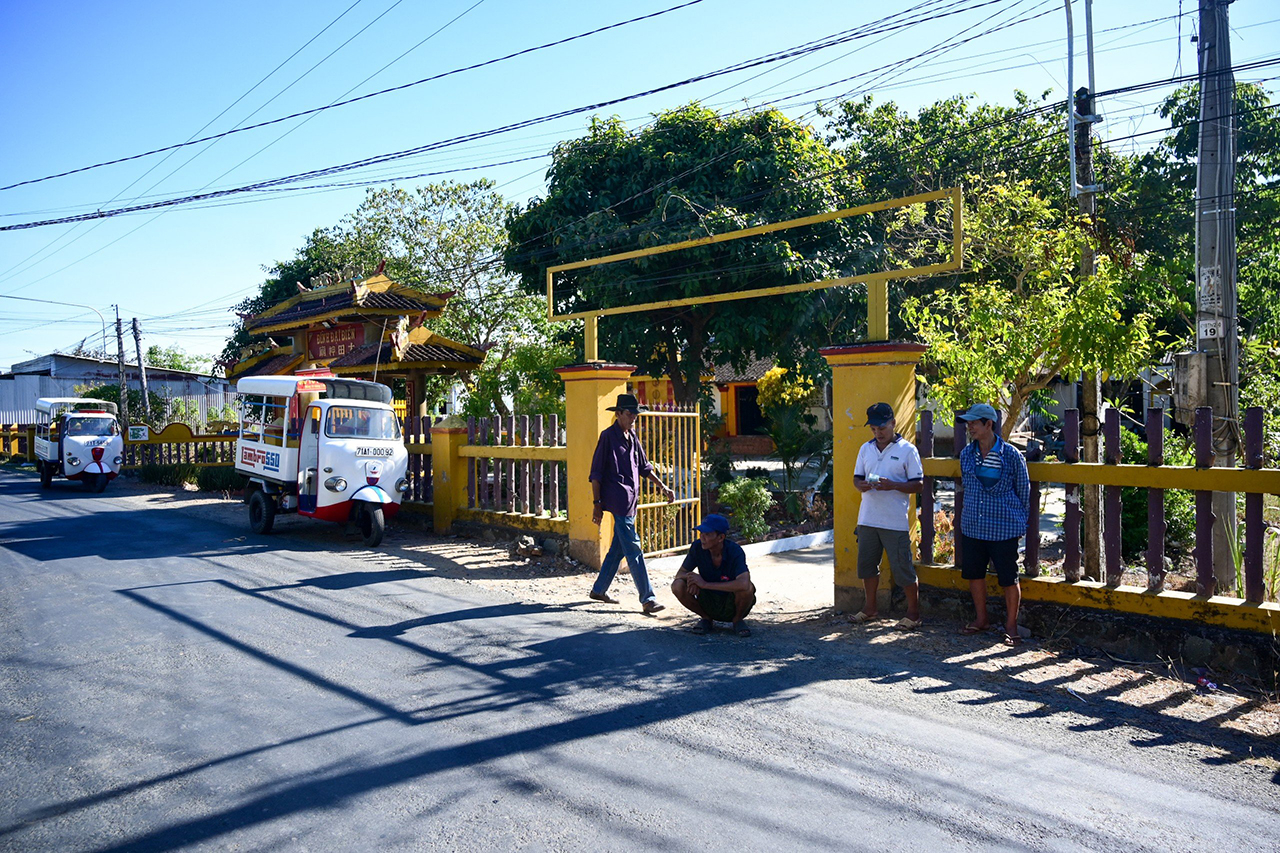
(795, 591)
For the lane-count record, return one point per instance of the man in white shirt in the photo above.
(887, 473)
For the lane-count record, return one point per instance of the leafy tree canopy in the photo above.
(689, 174)
(176, 358)
(1028, 314)
(435, 238)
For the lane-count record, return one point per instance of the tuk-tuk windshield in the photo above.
(92, 426)
(352, 422)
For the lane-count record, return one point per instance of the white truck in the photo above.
(78, 439)
(323, 447)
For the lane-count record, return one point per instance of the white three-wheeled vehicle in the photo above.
(78, 439)
(323, 447)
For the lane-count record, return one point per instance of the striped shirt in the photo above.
(999, 510)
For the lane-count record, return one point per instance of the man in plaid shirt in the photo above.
(997, 491)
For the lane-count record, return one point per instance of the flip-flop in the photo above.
(863, 617)
(743, 630)
(702, 626)
(907, 624)
(973, 629)
(1011, 640)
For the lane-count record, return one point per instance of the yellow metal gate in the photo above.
(672, 440)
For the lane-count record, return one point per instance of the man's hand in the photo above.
(669, 492)
(692, 582)
(597, 515)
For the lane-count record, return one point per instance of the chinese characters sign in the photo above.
(335, 342)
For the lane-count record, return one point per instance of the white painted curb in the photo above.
(758, 549)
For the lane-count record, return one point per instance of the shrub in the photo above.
(1179, 505)
(219, 479)
(168, 475)
(748, 500)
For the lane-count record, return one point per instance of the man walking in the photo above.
(887, 473)
(997, 491)
(617, 468)
(713, 580)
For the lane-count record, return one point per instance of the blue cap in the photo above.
(879, 414)
(979, 411)
(714, 523)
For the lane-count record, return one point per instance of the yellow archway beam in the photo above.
(877, 283)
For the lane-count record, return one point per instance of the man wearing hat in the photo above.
(887, 473)
(714, 581)
(617, 469)
(997, 491)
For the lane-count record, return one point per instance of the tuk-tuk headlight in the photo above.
(402, 485)
(71, 460)
(335, 484)
(119, 460)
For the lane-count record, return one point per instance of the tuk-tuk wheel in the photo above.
(46, 475)
(262, 512)
(100, 482)
(372, 524)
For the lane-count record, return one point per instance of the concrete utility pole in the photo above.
(1216, 325)
(1080, 120)
(142, 368)
(124, 389)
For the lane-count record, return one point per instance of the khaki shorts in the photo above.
(873, 542)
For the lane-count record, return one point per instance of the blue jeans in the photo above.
(625, 542)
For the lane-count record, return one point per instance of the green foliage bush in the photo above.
(219, 479)
(748, 500)
(1179, 505)
(168, 475)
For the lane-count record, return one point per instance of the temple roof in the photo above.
(420, 349)
(274, 362)
(377, 296)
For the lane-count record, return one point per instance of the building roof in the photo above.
(46, 365)
(274, 362)
(752, 372)
(423, 350)
(378, 296)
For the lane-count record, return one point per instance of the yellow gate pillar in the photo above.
(448, 472)
(861, 375)
(589, 389)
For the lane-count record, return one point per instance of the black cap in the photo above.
(879, 414)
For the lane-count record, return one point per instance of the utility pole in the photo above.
(124, 389)
(1216, 322)
(1081, 117)
(142, 369)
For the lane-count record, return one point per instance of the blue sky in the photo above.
(87, 82)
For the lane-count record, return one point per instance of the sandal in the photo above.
(863, 617)
(742, 629)
(973, 629)
(702, 626)
(1012, 640)
(908, 624)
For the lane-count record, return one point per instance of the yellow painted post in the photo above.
(448, 471)
(863, 374)
(589, 389)
(31, 444)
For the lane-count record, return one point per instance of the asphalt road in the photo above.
(170, 683)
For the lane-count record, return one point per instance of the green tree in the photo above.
(688, 174)
(1027, 314)
(176, 358)
(438, 238)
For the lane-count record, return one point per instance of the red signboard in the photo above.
(335, 342)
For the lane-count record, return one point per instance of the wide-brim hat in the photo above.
(628, 403)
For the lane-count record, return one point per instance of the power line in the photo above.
(338, 104)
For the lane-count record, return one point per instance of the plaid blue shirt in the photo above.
(998, 512)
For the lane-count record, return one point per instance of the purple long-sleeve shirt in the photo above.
(619, 465)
